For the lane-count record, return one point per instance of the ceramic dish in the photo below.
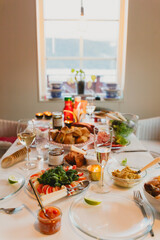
(126, 183)
(155, 203)
(117, 218)
(6, 189)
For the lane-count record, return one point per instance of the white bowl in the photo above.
(155, 203)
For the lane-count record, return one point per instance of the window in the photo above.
(92, 42)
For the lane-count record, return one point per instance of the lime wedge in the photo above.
(91, 201)
(12, 180)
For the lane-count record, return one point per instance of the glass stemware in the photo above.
(90, 106)
(26, 136)
(102, 144)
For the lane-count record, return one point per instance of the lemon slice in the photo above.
(91, 201)
(12, 180)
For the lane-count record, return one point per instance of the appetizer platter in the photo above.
(55, 183)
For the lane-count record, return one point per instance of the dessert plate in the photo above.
(6, 189)
(116, 218)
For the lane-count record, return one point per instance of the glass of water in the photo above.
(90, 107)
(102, 143)
(42, 140)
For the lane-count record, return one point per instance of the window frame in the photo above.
(121, 55)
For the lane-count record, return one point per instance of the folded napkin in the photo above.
(15, 154)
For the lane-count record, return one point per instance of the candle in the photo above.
(47, 115)
(68, 123)
(39, 115)
(94, 172)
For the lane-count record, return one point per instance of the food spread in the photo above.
(126, 173)
(52, 184)
(153, 187)
(73, 135)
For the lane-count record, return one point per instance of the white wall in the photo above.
(18, 61)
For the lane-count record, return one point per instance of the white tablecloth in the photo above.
(22, 225)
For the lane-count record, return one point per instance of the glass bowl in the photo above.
(124, 128)
(125, 183)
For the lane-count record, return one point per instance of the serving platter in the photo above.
(65, 191)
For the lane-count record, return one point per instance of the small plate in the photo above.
(117, 218)
(6, 189)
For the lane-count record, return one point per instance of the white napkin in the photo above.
(135, 144)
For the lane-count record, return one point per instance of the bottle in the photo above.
(57, 120)
(68, 109)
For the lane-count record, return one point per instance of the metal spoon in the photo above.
(38, 199)
(11, 210)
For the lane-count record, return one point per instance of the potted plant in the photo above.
(79, 78)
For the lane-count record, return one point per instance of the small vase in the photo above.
(80, 87)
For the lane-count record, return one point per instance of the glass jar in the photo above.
(56, 157)
(52, 225)
(57, 120)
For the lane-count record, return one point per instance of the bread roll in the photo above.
(81, 139)
(69, 139)
(14, 158)
(53, 133)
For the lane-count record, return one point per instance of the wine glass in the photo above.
(90, 106)
(26, 136)
(102, 144)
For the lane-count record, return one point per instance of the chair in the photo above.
(149, 133)
(8, 133)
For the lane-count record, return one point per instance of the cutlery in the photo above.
(80, 186)
(117, 151)
(11, 210)
(156, 160)
(38, 199)
(139, 201)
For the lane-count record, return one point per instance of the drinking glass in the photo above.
(102, 143)
(42, 139)
(26, 135)
(90, 106)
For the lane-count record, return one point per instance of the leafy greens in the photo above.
(58, 177)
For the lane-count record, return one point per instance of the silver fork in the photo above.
(139, 200)
(12, 210)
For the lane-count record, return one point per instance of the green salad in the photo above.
(120, 140)
(121, 128)
(58, 177)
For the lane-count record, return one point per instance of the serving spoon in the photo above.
(39, 200)
(156, 160)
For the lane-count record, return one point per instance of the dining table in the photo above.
(23, 224)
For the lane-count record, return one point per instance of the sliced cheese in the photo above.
(52, 197)
(78, 150)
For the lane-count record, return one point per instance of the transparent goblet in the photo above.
(102, 143)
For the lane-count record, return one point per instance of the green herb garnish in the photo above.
(58, 177)
(124, 162)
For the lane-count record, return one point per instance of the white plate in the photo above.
(116, 218)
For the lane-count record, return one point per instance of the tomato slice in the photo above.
(80, 174)
(82, 178)
(57, 188)
(35, 175)
(39, 188)
(66, 168)
(44, 188)
(74, 167)
(49, 190)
